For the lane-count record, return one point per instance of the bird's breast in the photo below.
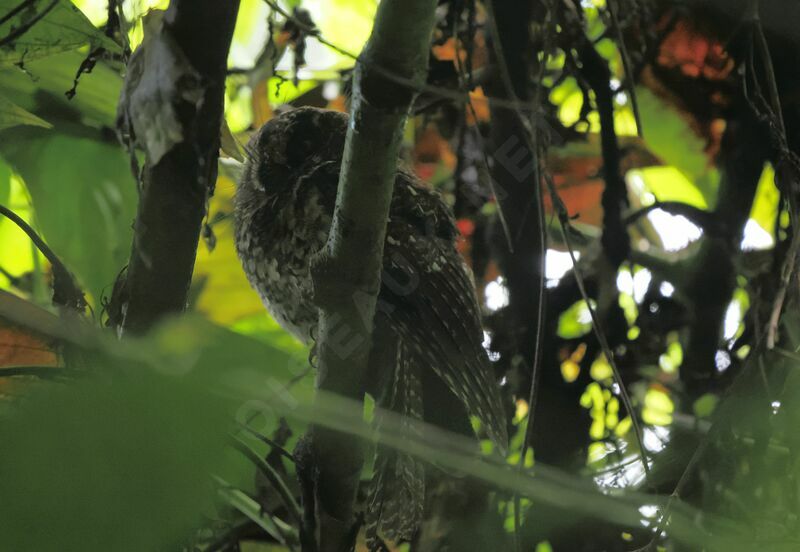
(275, 248)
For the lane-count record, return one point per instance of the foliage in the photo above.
(180, 439)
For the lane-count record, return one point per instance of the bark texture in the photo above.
(347, 273)
(176, 183)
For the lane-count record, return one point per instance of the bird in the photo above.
(427, 361)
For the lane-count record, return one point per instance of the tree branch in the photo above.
(616, 243)
(702, 218)
(190, 46)
(347, 272)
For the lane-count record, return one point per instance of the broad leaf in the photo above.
(12, 115)
(669, 136)
(44, 27)
(109, 465)
(41, 86)
(5, 182)
(84, 199)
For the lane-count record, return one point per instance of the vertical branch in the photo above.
(515, 173)
(179, 175)
(522, 258)
(615, 241)
(346, 274)
(712, 277)
(514, 163)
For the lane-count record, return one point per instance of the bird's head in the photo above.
(291, 144)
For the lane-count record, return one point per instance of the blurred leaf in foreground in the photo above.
(118, 464)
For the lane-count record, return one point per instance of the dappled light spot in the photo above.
(496, 295)
(676, 231)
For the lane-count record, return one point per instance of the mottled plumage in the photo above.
(427, 326)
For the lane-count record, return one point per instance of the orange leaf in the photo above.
(446, 51)
(480, 105)
(19, 348)
(262, 111)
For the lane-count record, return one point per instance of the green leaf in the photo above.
(52, 27)
(766, 202)
(134, 449)
(346, 23)
(13, 115)
(84, 200)
(210, 346)
(575, 321)
(118, 464)
(705, 405)
(249, 508)
(666, 184)
(5, 182)
(670, 136)
(41, 86)
(103, 464)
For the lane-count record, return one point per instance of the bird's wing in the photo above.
(428, 295)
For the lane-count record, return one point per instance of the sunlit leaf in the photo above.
(766, 202)
(281, 91)
(226, 296)
(575, 321)
(670, 136)
(345, 23)
(134, 12)
(601, 369)
(658, 407)
(666, 184)
(95, 10)
(19, 258)
(5, 182)
(52, 27)
(570, 370)
(250, 33)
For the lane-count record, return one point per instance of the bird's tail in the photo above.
(397, 491)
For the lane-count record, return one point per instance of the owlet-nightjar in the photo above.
(427, 361)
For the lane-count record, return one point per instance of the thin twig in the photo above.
(484, 156)
(15, 11)
(66, 291)
(272, 476)
(787, 272)
(626, 66)
(531, 140)
(766, 58)
(22, 29)
(447, 93)
(43, 372)
(702, 218)
(601, 338)
(261, 437)
(699, 453)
